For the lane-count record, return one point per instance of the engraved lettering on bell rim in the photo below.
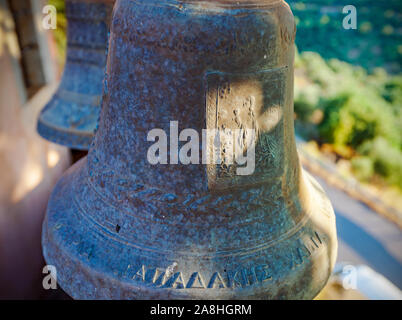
(71, 116)
(120, 227)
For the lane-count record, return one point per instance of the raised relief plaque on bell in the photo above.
(200, 80)
(239, 101)
(71, 116)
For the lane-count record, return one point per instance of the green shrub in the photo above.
(351, 119)
(317, 69)
(363, 168)
(392, 91)
(386, 158)
(365, 117)
(331, 120)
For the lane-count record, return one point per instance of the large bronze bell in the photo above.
(121, 225)
(71, 116)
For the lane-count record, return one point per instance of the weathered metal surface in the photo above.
(119, 227)
(71, 116)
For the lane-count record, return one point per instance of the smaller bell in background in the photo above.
(71, 116)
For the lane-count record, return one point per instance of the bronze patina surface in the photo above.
(119, 227)
(71, 116)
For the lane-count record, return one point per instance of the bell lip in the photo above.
(59, 254)
(71, 138)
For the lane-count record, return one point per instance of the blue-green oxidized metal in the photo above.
(71, 116)
(118, 227)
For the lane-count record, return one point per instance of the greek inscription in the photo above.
(240, 277)
(216, 281)
(196, 281)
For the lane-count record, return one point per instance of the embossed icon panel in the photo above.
(247, 101)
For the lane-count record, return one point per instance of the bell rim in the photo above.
(71, 138)
(61, 255)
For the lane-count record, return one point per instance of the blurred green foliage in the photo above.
(363, 167)
(361, 114)
(61, 31)
(377, 41)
